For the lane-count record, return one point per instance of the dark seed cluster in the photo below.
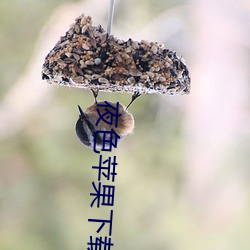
(87, 57)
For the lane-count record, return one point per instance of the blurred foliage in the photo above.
(20, 24)
(46, 175)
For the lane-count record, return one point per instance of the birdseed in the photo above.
(87, 57)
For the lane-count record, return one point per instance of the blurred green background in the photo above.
(183, 176)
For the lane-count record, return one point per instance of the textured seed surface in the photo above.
(87, 57)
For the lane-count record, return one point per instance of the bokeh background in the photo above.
(183, 176)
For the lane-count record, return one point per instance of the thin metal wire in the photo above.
(110, 15)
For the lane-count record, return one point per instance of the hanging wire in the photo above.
(110, 15)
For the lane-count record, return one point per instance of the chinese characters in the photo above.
(104, 195)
